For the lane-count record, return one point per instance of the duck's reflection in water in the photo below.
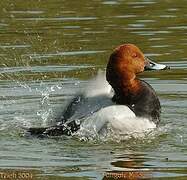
(133, 168)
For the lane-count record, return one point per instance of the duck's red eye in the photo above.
(134, 55)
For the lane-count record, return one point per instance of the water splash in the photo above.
(46, 112)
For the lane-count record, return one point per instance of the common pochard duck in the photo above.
(131, 97)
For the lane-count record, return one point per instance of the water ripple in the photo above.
(72, 53)
(27, 12)
(42, 68)
(57, 19)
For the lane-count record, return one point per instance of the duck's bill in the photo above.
(150, 65)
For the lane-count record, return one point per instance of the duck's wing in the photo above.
(72, 107)
(96, 96)
(79, 108)
(89, 105)
(60, 128)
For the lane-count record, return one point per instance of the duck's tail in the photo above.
(58, 130)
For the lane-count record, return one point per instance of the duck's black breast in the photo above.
(146, 103)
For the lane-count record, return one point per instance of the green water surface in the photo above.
(48, 51)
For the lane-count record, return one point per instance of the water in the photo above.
(49, 50)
